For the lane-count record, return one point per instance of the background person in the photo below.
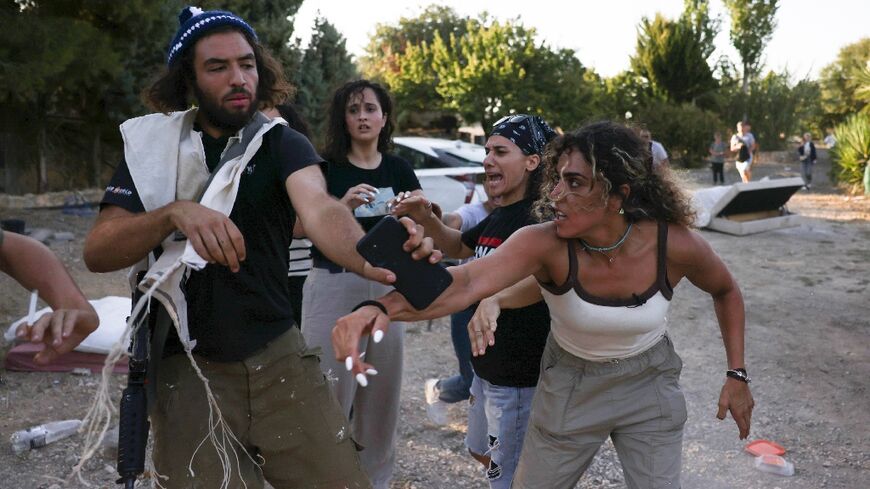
(504, 382)
(807, 155)
(717, 158)
(367, 178)
(609, 368)
(743, 143)
(656, 149)
(830, 139)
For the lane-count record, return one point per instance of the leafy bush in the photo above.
(852, 151)
(685, 130)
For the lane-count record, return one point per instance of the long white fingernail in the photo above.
(379, 335)
(361, 355)
(362, 380)
(371, 371)
(348, 363)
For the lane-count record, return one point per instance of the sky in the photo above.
(603, 33)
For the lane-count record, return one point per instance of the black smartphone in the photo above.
(419, 281)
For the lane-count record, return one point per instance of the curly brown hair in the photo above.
(172, 88)
(618, 157)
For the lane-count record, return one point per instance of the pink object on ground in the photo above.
(765, 447)
(20, 359)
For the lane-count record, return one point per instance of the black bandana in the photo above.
(530, 132)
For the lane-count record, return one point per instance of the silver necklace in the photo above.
(604, 249)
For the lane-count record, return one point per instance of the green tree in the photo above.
(561, 90)
(844, 83)
(752, 26)
(672, 55)
(684, 129)
(325, 65)
(271, 20)
(399, 56)
(63, 69)
(778, 107)
(618, 95)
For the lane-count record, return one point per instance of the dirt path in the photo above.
(806, 290)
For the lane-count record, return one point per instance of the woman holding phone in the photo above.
(367, 178)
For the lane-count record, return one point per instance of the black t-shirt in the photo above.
(233, 315)
(392, 176)
(514, 360)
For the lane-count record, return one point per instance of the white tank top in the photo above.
(599, 329)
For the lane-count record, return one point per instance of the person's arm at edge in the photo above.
(703, 268)
(35, 267)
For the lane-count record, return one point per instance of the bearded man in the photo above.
(233, 319)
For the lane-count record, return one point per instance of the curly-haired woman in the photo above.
(606, 265)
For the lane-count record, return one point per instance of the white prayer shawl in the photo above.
(166, 160)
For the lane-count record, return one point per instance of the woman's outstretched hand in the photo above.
(416, 207)
(481, 328)
(346, 335)
(737, 398)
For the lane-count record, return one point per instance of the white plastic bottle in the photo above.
(774, 464)
(42, 435)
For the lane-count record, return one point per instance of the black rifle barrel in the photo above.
(133, 425)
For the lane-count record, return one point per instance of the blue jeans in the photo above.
(456, 388)
(497, 422)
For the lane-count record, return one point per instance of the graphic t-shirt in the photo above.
(232, 315)
(392, 176)
(514, 360)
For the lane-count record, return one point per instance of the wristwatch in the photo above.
(739, 374)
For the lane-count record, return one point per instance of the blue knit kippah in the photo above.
(195, 23)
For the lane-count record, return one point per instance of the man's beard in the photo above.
(221, 118)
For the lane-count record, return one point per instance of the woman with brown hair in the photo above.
(361, 172)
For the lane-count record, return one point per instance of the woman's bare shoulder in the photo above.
(542, 235)
(685, 245)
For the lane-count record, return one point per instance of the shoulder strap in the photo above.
(662, 261)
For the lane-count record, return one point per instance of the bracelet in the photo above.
(377, 304)
(738, 374)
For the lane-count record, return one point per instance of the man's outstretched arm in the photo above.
(333, 229)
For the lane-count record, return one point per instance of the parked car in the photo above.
(450, 171)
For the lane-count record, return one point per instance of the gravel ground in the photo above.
(806, 292)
